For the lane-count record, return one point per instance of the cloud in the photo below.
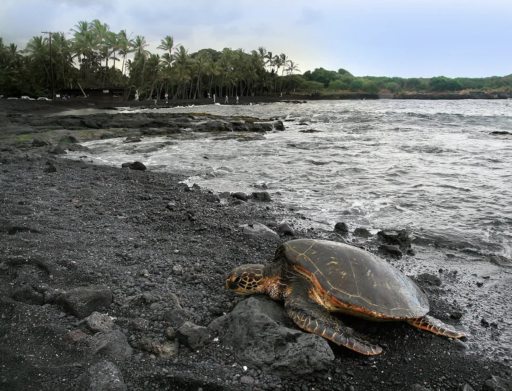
(392, 38)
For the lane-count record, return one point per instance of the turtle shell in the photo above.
(348, 279)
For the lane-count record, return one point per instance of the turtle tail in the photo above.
(435, 326)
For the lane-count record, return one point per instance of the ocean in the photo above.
(440, 169)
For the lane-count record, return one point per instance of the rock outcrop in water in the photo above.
(55, 134)
(166, 123)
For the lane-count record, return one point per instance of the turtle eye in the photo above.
(233, 284)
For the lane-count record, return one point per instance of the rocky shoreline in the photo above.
(113, 279)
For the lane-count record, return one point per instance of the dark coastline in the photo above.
(43, 107)
(162, 251)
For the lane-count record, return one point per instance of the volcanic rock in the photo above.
(39, 143)
(57, 150)
(83, 301)
(102, 376)
(255, 331)
(262, 196)
(259, 231)
(397, 237)
(240, 196)
(496, 383)
(341, 228)
(285, 229)
(134, 166)
(362, 233)
(192, 335)
(112, 344)
(97, 322)
(387, 249)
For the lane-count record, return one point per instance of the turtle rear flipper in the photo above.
(311, 317)
(436, 326)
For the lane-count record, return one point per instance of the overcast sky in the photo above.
(407, 38)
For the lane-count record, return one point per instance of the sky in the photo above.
(405, 38)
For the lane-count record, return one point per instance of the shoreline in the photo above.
(44, 107)
(162, 251)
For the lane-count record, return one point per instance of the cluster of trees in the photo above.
(342, 80)
(95, 57)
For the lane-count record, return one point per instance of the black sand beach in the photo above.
(113, 279)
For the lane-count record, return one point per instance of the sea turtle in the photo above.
(316, 277)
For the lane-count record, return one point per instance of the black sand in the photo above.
(161, 251)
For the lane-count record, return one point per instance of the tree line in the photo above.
(342, 80)
(96, 57)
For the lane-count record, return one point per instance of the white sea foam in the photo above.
(409, 164)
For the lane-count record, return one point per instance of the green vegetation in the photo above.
(344, 81)
(21, 138)
(95, 57)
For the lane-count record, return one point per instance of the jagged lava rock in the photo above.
(83, 301)
(255, 332)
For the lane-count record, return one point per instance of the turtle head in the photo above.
(246, 280)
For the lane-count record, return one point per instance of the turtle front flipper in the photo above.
(435, 326)
(311, 317)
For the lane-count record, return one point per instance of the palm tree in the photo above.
(227, 72)
(38, 51)
(262, 51)
(80, 29)
(12, 51)
(111, 46)
(141, 54)
(258, 63)
(12, 69)
(153, 69)
(290, 68)
(201, 61)
(269, 60)
(226, 68)
(3, 62)
(62, 57)
(284, 61)
(212, 69)
(83, 46)
(139, 46)
(182, 62)
(167, 44)
(279, 61)
(254, 64)
(125, 47)
(243, 69)
(167, 62)
(100, 31)
(2, 47)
